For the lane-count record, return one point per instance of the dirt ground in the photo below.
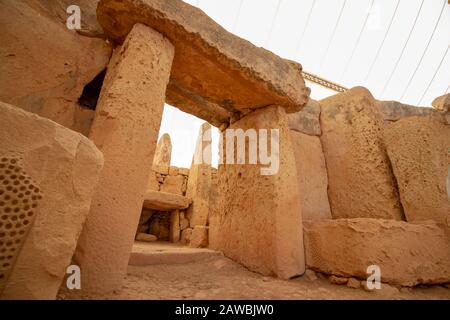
(221, 278)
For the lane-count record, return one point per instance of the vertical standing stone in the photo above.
(312, 176)
(175, 226)
(48, 174)
(199, 181)
(360, 179)
(125, 129)
(259, 222)
(163, 151)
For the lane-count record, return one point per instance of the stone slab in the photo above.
(407, 253)
(144, 254)
(419, 150)
(210, 62)
(48, 176)
(126, 126)
(259, 221)
(312, 176)
(163, 201)
(360, 179)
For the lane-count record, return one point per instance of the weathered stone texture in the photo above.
(394, 110)
(165, 201)
(199, 182)
(419, 151)
(407, 253)
(163, 151)
(259, 216)
(199, 237)
(125, 129)
(360, 180)
(50, 177)
(234, 75)
(175, 226)
(307, 120)
(442, 103)
(49, 87)
(173, 184)
(312, 176)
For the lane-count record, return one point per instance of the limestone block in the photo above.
(173, 184)
(152, 182)
(360, 181)
(186, 235)
(234, 75)
(407, 253)
(173, 171)
(163, 151)
(146, 237)
(419, 151)
(125, 128)
(161, 169)
(259, 216)
(199, 237)
(394, 110)
(214, 205)
(312, 176)
(307, 120)
(49, 87)
(57, 10)
(164, 201)
(48, 174)
(199, 182)
(184, 223)
(175, 226)
(442, 103)
(183, 171)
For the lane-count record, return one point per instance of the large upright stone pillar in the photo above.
(259, 222)
(199, 183)
(125, 129)
(163, 151)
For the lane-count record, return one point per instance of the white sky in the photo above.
(403, 56)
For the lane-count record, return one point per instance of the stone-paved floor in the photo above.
(220, 278)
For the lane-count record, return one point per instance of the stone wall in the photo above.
(385, 161)
(45, 71)
(172, 225)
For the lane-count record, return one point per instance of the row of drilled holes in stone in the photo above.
(16, 190)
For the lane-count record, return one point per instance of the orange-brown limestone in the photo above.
(125, 129)
(163, 201)
(199, 237)
(312, 176)
(407, 253)
(442, 103)
(360, 180)
(175, 226)
(234, 76)
(199, 181)
(419, 151)
(35, 82)
(48, 174)
(259, 217)
(163, 151)
(394, 110)
(173, 184)
(307, 120)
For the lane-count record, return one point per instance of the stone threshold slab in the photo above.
(163, 201)
(161, 252)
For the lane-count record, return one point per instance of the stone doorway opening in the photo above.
(162, 226)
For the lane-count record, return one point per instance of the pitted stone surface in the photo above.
(19, 199)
